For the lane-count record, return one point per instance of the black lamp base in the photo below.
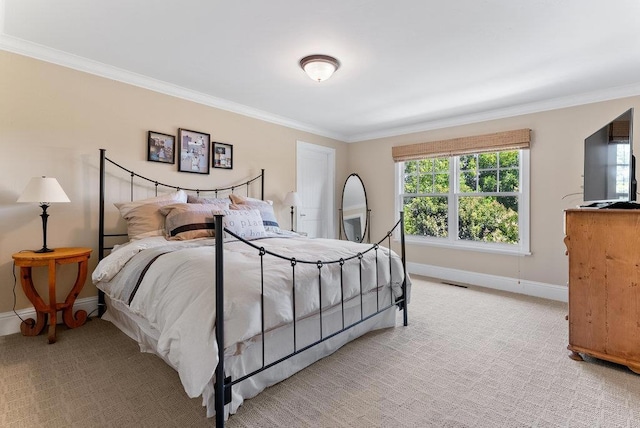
(44, 216)
(292, 218)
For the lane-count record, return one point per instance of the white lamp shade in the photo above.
(43, 190)
(292, 199)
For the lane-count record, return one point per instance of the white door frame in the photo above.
(330, 215)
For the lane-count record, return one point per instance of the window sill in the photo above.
(468, 246)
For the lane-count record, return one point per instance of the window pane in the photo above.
(622, 169)
(488, 160)
(426, 216)
(488, 181)
(488, 219)
(509, 159)
(468, 162)
(509, 180)
(441, 165)
(410, 184)
(468, 182)
(426, 165)
(441, 184)
(426, 184)
(622, 180)
(410, 167)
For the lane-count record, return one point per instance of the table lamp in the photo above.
(293, 200)
(44, 190)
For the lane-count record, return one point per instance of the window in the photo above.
(622, 168)
(477, 201)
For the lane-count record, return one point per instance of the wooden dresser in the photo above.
(604, 284)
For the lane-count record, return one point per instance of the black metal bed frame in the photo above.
(224, 384)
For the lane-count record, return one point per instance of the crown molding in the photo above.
(47, 54)
(536, 107)
(54, 56)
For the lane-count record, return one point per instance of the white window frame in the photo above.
(452, 241)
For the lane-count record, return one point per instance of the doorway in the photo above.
(315, 183)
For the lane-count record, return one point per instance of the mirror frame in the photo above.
(367, 230)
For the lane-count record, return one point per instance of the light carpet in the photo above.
(470, 357)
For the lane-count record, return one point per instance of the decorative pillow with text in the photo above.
(269, 220)
(247, 224)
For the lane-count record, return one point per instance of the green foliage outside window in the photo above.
(426, 216)
(488, 219)
(481, 216)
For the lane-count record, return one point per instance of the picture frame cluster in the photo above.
(194, 150)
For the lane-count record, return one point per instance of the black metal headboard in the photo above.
(101, 226)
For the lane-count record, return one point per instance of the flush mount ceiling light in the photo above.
(319, 67)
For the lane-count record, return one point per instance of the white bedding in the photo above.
(177, 298)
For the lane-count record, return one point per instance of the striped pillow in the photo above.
(190, 221)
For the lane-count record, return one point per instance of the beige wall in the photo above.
(53, 120)
(556, 171)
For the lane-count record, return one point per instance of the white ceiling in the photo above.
(407, 65)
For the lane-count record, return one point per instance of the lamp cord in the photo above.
(15, 282)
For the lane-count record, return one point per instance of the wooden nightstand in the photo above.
(26, 261)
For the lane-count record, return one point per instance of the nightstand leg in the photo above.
(29, 327)
(52, 302)
(71, 320)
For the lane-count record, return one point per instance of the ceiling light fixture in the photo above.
(319, 67)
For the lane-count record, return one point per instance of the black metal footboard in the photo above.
(224, 384)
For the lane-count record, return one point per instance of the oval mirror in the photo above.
(354, 209)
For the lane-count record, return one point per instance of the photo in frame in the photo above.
(161, 147)
(194, 151)
(222, 155)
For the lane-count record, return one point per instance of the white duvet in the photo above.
(177, 294)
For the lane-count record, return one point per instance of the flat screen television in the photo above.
(609, 164)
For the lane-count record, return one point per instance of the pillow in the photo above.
(191, 199)
(144, 218)
(269, 220)
(189, 221)
(247, 224)
(237, 199)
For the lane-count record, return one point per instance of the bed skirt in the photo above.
(278, 343)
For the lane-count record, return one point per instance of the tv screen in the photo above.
(609, 170)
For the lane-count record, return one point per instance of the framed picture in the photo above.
(194, 151)
(161, 147)
(222, 155)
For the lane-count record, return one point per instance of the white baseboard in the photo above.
(514, 285)
(10, 323)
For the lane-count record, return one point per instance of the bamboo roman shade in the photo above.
(510, 140)
(619, 129)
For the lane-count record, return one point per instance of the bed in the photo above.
(276, 301)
